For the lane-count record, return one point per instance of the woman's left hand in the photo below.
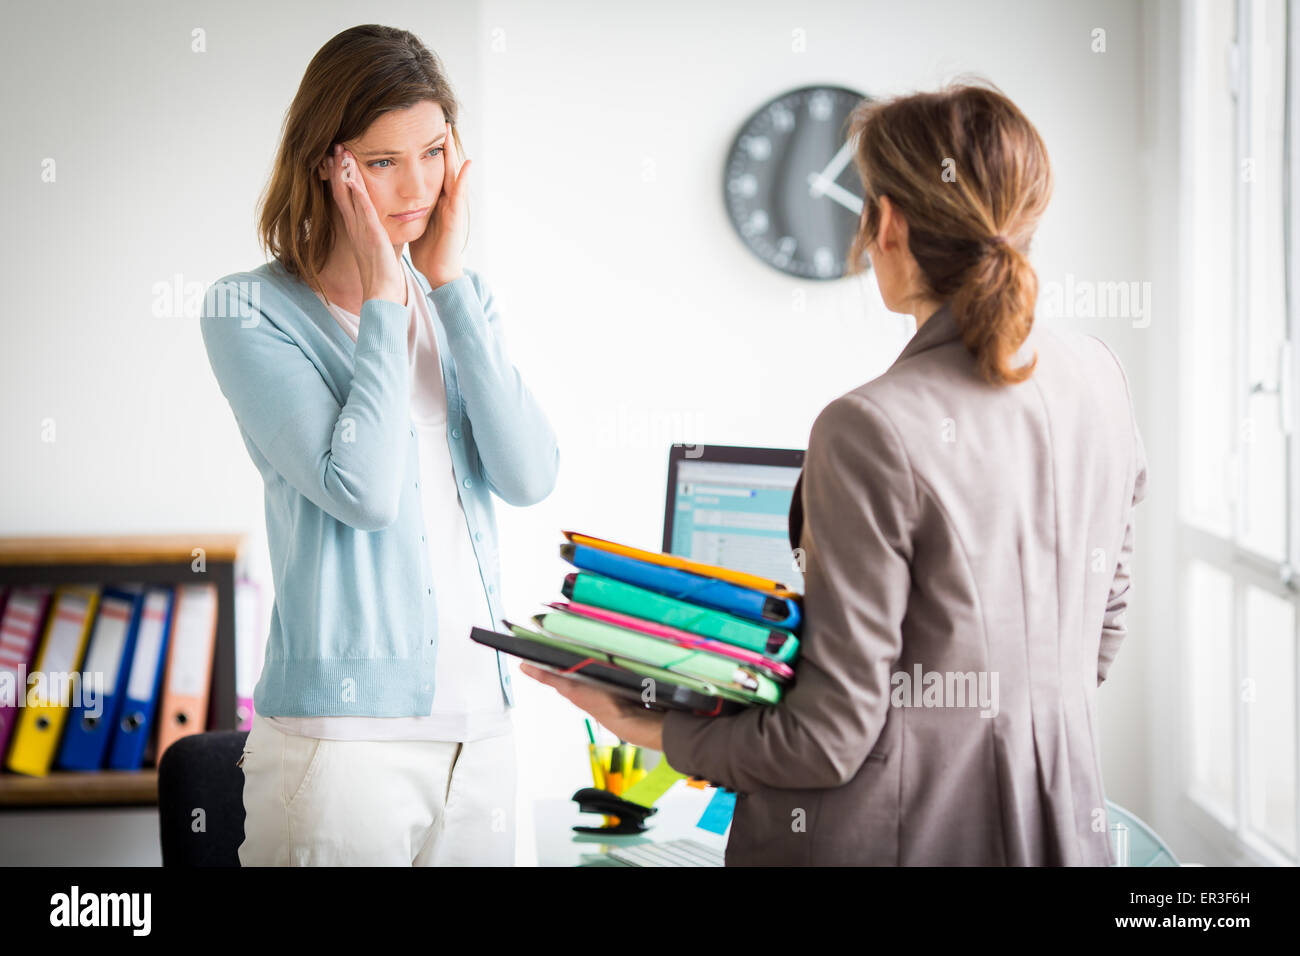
(437, 252)
(620, 716)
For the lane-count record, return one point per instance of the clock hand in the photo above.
(821, 186)
(837, 163)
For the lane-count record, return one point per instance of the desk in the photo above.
(558, 845)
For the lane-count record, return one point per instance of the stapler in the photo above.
(631, 816)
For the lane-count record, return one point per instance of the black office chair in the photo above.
(201, 772)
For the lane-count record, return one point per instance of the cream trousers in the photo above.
(314, 802)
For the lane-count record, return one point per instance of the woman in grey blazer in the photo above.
(965, 526)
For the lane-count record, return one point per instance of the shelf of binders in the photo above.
(76, 605)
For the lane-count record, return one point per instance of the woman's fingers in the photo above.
(453, 168)
(342, 173)
(599, 703)
(563, 685)
(357, 188)
(381, 274)
(337, 189)
(366, 219)
(453, 154)
(462, 177)
(537, 674)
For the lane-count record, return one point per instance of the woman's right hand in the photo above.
(381, 272)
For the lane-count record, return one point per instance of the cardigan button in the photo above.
(492, 589)
(478, 535)
(455, 433)
(468, 482)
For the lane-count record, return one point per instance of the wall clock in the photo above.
(789, 184)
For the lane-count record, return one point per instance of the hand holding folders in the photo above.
(674, 633)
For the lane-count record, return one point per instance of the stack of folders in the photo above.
(104, 677)
(720, 632)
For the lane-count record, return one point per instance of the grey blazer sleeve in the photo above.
(1114, 627)
(859, 501)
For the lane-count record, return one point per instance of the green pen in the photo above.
(597, 771)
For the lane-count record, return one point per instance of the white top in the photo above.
(468, 703)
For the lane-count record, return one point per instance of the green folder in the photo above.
(635, 666)
(587, 587)
(723, 672)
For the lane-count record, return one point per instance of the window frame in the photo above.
(1234, 836)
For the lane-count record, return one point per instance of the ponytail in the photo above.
(994, 309)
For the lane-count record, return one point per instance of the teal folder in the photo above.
(587, 587)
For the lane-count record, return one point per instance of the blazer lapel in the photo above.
(936, 330)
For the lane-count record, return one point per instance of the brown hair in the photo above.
(357, 76)
(970, 175)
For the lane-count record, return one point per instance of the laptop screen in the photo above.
(733, 514)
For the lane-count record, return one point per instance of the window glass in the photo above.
(1268, 695)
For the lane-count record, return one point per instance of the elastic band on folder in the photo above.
(717, 709)
(579, 665)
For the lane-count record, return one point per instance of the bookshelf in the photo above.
(104, 559)
(66, 788)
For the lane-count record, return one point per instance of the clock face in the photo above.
(790, 186)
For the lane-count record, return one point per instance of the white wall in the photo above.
(631, 308)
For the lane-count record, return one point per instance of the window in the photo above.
(1240, 511)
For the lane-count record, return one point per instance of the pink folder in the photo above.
(678, 637)
(20, 629)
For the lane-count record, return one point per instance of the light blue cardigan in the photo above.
(327, 423)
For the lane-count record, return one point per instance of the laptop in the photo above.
(729, 505)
